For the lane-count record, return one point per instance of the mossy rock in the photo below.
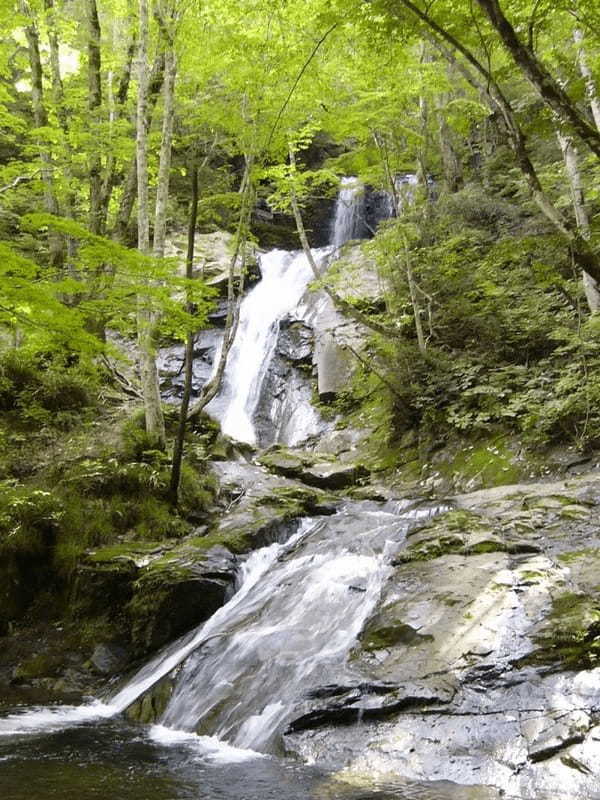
(460, 532)
(570, 635)
(150, 706)
(103, 585)
(42, 665)
(484, 463)
(177, 592)
(378, 638)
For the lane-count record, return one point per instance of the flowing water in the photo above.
(349, 217)
(285, 278)
(242, 676)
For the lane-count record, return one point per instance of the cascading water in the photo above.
(285, 278)
(299, 607)
(348, 220)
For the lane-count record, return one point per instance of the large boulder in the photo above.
(179, 591)
(481, 662)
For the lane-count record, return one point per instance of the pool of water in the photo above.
(115, 760)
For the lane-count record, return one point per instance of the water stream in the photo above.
(242, 676)
(285, 278)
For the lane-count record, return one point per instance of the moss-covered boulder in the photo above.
(462, 532)
(179, 591)
(320, 470)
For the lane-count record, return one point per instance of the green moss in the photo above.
(126, 550)
(571, 634)
(237, 541)
(149, 708)
(488, 462)
(576, 555)
(392, 636)
(531, 575)
(39, 666)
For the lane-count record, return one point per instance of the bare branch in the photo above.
(18, 180)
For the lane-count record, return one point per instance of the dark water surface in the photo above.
(115, 760)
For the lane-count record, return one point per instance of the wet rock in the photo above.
(546, 736)
(284, 412)
(333, 475)
(178, 591)
(314, 471)
(513, 634)
(149, 708)
(109, 659)
(295, 342)
(104, 582)
(370, 701)
(171, 367)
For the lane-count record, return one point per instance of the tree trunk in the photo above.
(451, 164)
(155, 425)
(414, 300)
(40, 117)
(189, 347)
(111, 177)
(130, 187)
(58, 96)
(211, 388)
(94, 106)
(164, 165)
(547, 87)
(581, 215)
(586, 73)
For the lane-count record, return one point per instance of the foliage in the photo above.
(47, 389)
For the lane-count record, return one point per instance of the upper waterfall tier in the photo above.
(285, 277)
(349, 218)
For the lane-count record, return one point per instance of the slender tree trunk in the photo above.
(40, 117)
(155, 424)
(586, 73)
(164, 165)
(94, 106)
(211, 388)
(414, 300)
(451, 164)
(189, 347)
(130, 187)
(551, 92)
(569, 152)
(111, 177)
(58, 96)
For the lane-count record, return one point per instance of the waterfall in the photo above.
(348, 220)
(285, 278)
(250, 663)
(289, 629)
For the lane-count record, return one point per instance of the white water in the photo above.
(285, 277)
(294, 614)
(348, 221)
(297, 623)
(53, 718)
